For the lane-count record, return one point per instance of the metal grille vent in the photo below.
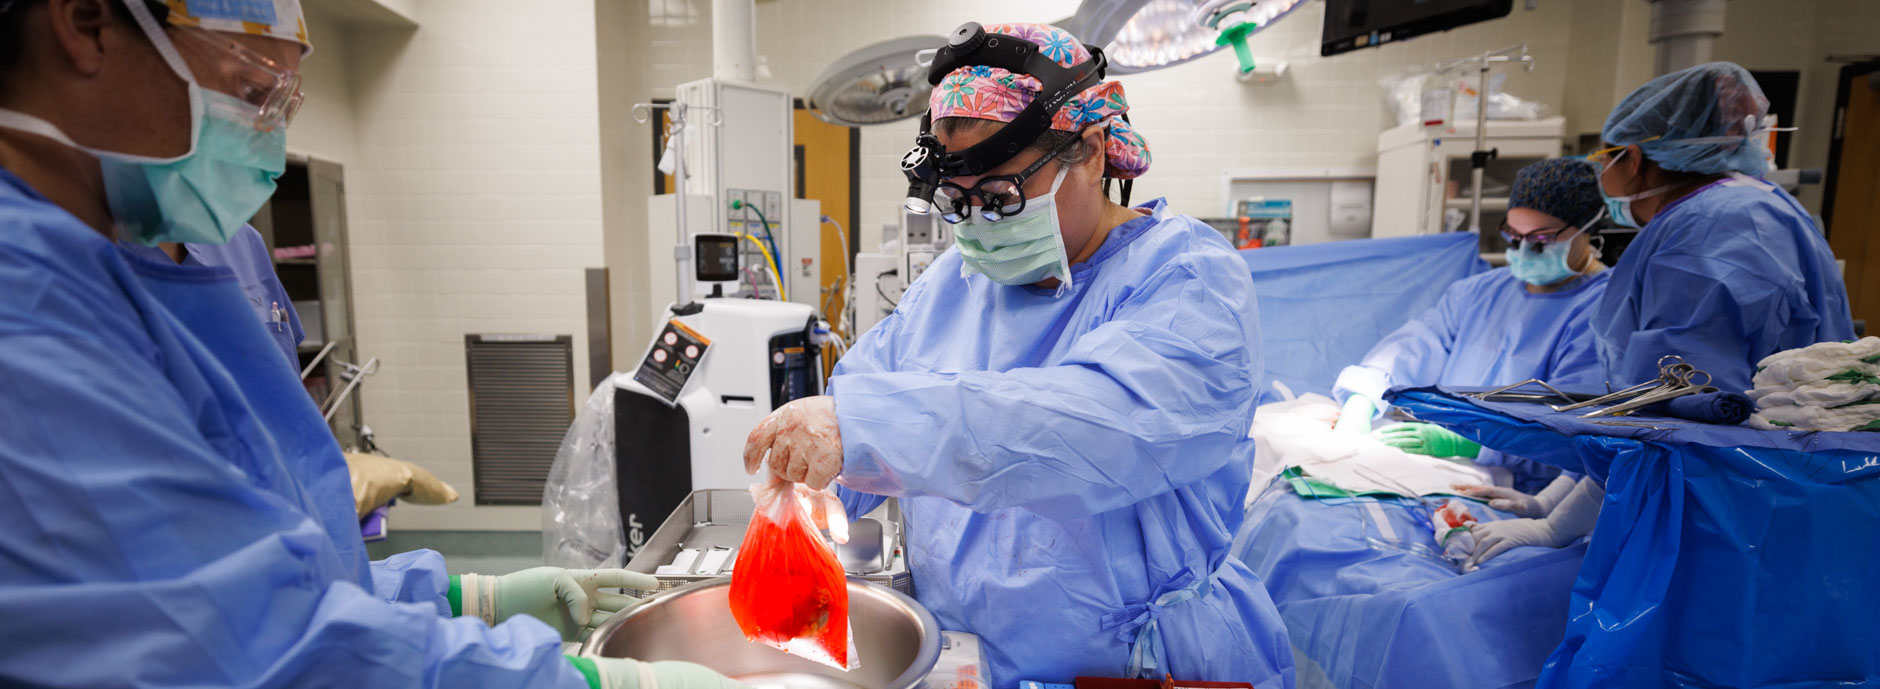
(521, 403)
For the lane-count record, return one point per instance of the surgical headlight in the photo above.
(922, 178)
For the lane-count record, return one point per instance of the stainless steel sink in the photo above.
(897, 639)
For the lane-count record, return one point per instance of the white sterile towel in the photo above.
(1858, 417)
(1819, 394)
(1298, 433)
(1815, 363)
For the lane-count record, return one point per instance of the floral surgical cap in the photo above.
(992, 93)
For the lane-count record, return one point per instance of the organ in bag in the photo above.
(787, 588)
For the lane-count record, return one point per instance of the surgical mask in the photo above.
(1022, 249)
(202, 196)
(1544, 267)
(1619, 208)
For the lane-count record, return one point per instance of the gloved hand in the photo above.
(1495, 538)
(1427, 439)
(1572, 518)
(569, 600)
(803, 442)
(1355, 417)
(1522, 504)
(624, 673)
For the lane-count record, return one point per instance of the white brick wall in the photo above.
(473, 180)
(1197, 119)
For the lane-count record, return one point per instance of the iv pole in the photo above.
(675, 137)
(1478, 159)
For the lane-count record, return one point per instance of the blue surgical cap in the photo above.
(1706, 119)
(1566, 188)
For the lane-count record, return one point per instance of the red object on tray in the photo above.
(787, 588)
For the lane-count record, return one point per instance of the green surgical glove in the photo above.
(623, 673)
(1427, 439)
(569, 600)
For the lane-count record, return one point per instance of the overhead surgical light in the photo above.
(884, 82)
(1163, 33)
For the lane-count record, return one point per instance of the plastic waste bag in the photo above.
(787, 588)
(581, 502)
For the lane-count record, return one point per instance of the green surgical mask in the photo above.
(1022, 249)
(203, 197)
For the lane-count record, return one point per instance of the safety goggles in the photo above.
(255, 79)
(996, 198)
(1534, 242)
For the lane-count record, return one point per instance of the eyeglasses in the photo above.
(256, 79)
(1600, 155)
(999, 197)
(1534, 242)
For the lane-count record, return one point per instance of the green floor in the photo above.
(480, 552)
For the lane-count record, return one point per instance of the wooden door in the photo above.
(826, 170)
(1851, 202)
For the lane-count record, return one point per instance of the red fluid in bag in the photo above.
(787, 588)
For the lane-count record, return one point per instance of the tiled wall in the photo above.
(473, 191)
(1197, 118)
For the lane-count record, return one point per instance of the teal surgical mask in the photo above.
(1022, 249)
(1619, 208)
(202, 196)
(1542, 268)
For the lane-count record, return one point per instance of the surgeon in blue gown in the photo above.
(1727, 268)
(1530, 319)
(177, 513)
(1064, 423)
(246, 255)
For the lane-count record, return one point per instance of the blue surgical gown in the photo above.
(176, 512)
(246, 254)
(1723, 277)
(1073, 467)
(1488, 330)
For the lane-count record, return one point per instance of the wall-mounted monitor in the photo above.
(1354, 24)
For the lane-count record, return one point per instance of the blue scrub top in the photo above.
(1489, 330)
(1723, 277)
(1073, 466)
(247, 255)
(176, 511)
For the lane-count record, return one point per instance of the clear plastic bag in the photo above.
(1413, 96)
(581, 503)
(787, 588)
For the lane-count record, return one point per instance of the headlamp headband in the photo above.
(969, 46)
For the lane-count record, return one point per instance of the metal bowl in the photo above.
(897, 639)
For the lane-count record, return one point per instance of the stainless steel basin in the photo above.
(897, 639)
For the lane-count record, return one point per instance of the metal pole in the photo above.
(681, 251)
(1478, 162)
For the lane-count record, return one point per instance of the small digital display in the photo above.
(716, 257)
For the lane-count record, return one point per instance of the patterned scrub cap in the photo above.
(1566, 188)
(280, 19)
(992, 93)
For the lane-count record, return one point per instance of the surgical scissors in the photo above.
(1679, 380)
(1535, 397)
(1665, 375)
